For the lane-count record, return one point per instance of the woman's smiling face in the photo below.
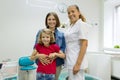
(73, 14)
(51, 21)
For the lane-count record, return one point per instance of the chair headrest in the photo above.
(25, 61)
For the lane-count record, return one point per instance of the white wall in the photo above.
(20, 21)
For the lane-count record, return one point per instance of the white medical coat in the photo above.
(73, 34)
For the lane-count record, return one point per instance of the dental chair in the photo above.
(26, 65)
(64, 76)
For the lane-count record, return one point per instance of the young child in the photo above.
(46, 49)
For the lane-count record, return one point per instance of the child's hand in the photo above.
(42, 56)
(52, 55)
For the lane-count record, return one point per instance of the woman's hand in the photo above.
(76, 69)
(44, 59)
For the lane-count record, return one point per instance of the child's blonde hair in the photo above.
(48, 32)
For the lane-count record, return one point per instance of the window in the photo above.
(111, 23)
(116, 40)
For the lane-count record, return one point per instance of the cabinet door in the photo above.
(116, 67)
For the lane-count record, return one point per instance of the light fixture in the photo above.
(42, 3)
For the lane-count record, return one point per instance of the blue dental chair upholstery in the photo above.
(26, 68)
(26, 64)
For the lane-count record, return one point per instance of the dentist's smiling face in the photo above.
(73, 14)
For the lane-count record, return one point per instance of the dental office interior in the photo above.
(20, 20)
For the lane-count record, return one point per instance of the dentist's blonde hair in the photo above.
(80, 16)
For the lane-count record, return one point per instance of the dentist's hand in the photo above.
(76, 69)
